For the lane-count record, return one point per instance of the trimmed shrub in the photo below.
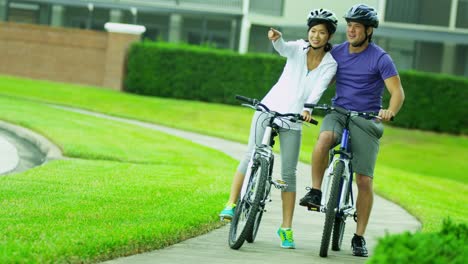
(433, 102)
(450, 245)
(199, 73)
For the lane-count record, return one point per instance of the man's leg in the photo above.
(365, 146)
(364, 202)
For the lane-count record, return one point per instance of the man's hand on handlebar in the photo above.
(386, 115)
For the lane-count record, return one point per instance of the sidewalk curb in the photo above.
(49, 149)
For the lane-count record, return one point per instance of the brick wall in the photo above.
(64, 55)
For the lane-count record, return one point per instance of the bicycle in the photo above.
(257, 184)
(337, 195)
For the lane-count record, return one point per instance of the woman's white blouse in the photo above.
(296, 84)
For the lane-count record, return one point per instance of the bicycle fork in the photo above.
(345, 185)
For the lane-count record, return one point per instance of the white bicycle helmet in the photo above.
(319, 16)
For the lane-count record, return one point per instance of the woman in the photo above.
(308, 71)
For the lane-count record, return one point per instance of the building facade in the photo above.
(425, 35)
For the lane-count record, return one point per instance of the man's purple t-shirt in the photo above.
(360, 77)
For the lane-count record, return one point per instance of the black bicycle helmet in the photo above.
(319, 16)
(363, 14)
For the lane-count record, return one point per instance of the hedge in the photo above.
(198, 73)
(433, 102)
(450, 245)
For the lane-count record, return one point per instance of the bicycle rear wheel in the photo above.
(244, 224)
(332, 204)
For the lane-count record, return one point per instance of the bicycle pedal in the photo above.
(313, 208)
(279, 184)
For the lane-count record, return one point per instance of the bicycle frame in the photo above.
(257, 182)
(265, 150)
(337, 197)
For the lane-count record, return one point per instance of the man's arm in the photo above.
(397, 96)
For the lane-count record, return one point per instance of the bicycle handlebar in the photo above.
(246, 99)
(344, 111)
(257, 104)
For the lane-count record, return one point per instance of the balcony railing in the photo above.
(267, 7)
(234, 6)
(222, 6)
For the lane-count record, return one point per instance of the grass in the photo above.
(211, 119)
(107, 199)
(422, 171)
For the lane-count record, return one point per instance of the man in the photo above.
(364, 69)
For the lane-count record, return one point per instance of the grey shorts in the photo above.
(364, 142)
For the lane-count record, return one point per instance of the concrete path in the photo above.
(9, 158)
(213, 247)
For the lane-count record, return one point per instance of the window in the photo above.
(425, 12)
(402, 51)
(207, 31)
(99, 17)
(76, 17)
(27, 12)
(258, 41)
(84, 17)
(462, 14)
(157, 25)
(428, 56)
(461, 60)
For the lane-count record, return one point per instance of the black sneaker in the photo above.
(358, 244)
(312, 199)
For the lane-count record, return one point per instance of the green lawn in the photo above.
(422, 171)
(114, 196)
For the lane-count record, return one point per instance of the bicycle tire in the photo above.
(258, 219)
(330, 214)
(340, 224)
(248, 208)
(251, 238)
(338, 231)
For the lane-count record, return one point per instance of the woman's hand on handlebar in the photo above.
(306, 116)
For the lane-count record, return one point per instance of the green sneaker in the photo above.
(286, 235)
(228, 212)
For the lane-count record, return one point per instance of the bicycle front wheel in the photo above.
(332, 206)
(248, 211)
(340, 220)
(338, 231)
(265, 193)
